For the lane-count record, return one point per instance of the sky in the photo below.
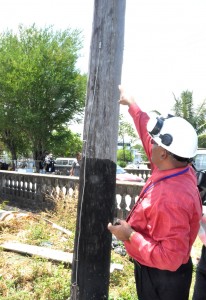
(164, 44)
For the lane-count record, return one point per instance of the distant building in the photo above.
(137, 156)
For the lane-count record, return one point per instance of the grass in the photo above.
(34, 278)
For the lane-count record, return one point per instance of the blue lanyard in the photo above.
(151, 185)
(163, 178)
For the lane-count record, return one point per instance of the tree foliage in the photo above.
(124, 155)
(202, 141)
(126, 129)
(184, 107)
(40, 86)
(64, 143)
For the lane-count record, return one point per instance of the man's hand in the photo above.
(125, 99)
(122, 230)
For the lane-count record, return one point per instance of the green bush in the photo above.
(124, 155)
(122, 163)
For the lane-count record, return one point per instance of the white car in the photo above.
(63, 165)
(200, 160)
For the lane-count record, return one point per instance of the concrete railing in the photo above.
(37, 191)
(144, 173)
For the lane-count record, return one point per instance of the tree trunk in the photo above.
(91, 263)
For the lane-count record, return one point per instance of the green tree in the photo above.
(124, 155)
(64, 143)
(40, 86)
(126, 130)
(184, 107)
(202, 141)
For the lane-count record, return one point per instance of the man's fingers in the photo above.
(109, 225)
(111, 228)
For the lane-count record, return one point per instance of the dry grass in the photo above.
(33, 278)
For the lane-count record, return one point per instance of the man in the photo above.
(163, 224)
(75, 170)
(49, 163)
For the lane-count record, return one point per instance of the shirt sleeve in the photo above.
(140, 119)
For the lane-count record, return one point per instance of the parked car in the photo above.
(63, 165)
(200, 166)
(123, 175)
(200, 160)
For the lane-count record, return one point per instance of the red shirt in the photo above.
(166, 216)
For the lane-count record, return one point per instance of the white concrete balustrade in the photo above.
(35, 191)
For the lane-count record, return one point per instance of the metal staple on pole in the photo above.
(74, 292)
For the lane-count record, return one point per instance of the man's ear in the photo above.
(163, 154)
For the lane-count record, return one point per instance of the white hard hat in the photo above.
(174, 134)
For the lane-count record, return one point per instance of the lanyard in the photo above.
(154, 183)
(163, 178)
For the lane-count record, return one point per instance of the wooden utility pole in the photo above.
(91, 262)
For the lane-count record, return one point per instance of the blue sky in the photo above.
(164, 48)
